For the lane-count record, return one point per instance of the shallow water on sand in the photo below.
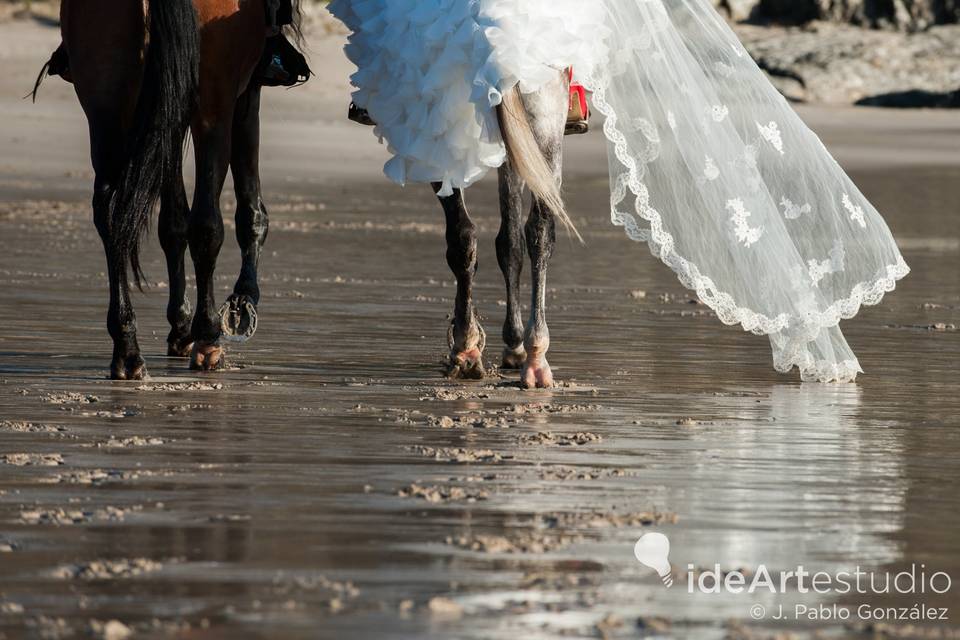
(275, 499)
(333, 484)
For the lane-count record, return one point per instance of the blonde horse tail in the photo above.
(528, 159)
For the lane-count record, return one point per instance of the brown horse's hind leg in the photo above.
(510, 256)
(172, 224)
(205, 234)
(231, 41)
(106, 45)
(106, 144)
(251, 216)
(466, 344)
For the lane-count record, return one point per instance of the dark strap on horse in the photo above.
(285, 12)
(279, 12)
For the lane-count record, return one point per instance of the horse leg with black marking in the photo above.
(547, 110)
(173, 227)
(466, 336)
(205, 236)
(510, 254)
(541, 234)
(240, 315)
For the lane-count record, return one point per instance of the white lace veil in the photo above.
(713, 169)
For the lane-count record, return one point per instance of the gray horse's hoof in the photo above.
(467, 364)
(238, 319)
(536, 374)
(513, 358)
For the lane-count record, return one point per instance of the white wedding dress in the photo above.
(709, 165)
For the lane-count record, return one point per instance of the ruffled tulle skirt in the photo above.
(431, 72)
(709, 166)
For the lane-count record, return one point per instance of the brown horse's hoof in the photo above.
(513, 358)
(466, 365)
(180, 348)
(238, 318)
(207, 357)
(536, 374)
(128, 368)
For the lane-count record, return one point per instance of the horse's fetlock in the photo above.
(537, 343)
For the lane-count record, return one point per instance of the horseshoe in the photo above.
(238, 319)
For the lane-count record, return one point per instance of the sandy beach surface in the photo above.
(332, 484)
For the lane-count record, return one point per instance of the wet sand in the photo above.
(333, 484)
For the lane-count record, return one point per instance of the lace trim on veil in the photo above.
(794, 352)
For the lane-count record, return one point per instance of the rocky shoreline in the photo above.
(835, 61)
(815, 51)
(839, 64)
(900, 15)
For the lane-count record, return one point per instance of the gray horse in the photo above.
(532, 126)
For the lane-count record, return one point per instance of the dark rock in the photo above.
(913, 99)
(833, 63)
(902, 15)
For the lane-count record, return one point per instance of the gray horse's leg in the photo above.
(547, 110)
(510, 257)
(466, 339)
(541, 232)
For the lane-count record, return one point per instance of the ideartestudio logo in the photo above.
(653, 550)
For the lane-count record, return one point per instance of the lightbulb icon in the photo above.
(653, 550)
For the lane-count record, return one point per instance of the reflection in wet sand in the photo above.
(332, 484)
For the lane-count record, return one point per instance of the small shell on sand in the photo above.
(444, 607)
(110, 630)
(11, 608)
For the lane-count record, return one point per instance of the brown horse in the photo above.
(144, 72)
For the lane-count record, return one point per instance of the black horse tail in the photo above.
(155, 142)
